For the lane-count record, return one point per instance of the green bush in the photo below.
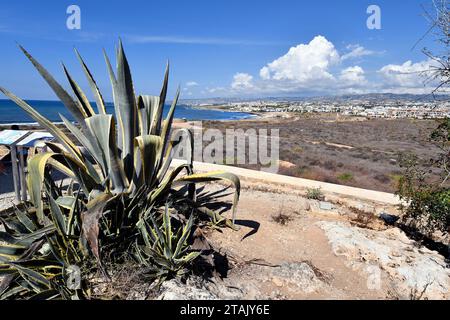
(428, 201)
(345, 177)
(314, 194)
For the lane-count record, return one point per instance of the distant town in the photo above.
(371, 105)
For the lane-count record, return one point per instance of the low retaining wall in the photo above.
(298, 183)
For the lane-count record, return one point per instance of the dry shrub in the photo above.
(366, 220)
(282, 219)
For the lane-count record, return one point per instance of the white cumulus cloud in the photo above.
(217, 90)
(356, 51)
(353, 76)
(303, 63)
(409, 77)
(408, 74)
(319, 68)
(242, 81)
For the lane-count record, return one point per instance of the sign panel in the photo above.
(34, 138)
(8, 137)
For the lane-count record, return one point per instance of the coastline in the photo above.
(51, 110)
(253, 115)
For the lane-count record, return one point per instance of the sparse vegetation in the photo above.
(314, 194)
(282, 219)
(345, 177)
(417, 294)
(382, 140)
(427, 191)
(362, 218)
(297, 149)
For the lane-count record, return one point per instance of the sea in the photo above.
(10, 113)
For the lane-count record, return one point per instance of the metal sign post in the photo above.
(10, 138)
(18, 141)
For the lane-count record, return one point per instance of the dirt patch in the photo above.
(261, 238)
(305, 240)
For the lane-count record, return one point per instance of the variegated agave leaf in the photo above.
(214, 176)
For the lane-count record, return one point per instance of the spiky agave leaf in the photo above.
(90, 223)
(214, 176)
(126, 108)
(147, 150)
(75, 108)
(32, 263)
(37, 167)
(166, 249)
(82, 99)
(102, 128)
(94, 88)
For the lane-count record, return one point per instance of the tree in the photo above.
(428, 201)
(439, 19)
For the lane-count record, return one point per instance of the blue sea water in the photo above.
(11, 113)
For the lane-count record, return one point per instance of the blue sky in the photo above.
(221, 48)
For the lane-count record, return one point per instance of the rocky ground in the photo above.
(289, 247)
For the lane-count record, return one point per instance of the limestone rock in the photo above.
(409, 269)
(303, 204)
(323, 205)
(296, 277)
(175, 290)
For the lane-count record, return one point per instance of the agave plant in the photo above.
(34, 258)
(164, 252)
(120, 164)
